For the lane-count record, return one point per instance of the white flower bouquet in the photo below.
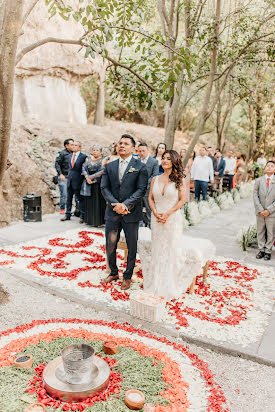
(246, 189)
(222, 201)
(204, 209)
(192, 213)
(247, 237)
(236, 195)
(214, 207)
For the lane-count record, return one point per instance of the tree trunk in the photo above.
(203, 114)
(100, 100)
(10, 24)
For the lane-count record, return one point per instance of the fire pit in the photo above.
(76, 375)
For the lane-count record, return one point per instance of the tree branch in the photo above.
(29, 10)
(79, 43)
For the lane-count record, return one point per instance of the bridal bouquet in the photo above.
(204, 209)
(192, 213)
(214, 207)
(247, 237)
(246, 189)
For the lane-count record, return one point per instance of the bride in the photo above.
(167, 195)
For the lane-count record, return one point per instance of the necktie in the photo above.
(267, 182)
(218, 164)
(73, 160)
(122, 169)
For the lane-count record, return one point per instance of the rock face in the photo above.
(48, 77)
(32, 153)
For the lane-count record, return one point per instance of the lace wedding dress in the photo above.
(170, 260)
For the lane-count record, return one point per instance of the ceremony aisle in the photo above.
(233, 306)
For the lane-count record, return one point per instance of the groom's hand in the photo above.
(120, 208)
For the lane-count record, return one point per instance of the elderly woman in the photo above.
(92, 170)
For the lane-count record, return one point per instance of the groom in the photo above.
(123, 186)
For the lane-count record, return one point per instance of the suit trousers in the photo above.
(265, 233)
(200, 186)
(112, 232)
(148, 209)
(78, 198)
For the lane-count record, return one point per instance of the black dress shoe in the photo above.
(260, 255)
(65, 218)
(267, 256)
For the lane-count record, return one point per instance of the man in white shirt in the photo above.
(153, 170)
(230, 168)
(261, 160)
(201, 172)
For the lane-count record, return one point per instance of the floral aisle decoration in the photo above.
(171, 377)
(185, 222)
(246, 189)
(236, 195)
(204, 209)
(192, 213)
(247, 237)
(234, 291)
(214, 207)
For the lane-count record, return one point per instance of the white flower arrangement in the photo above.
(247, 237)
(230, 199)
(222, 201)
(192, 213)
(204, 209)
(214, 207)
(236, 195)
(246, 189)
(185, 223)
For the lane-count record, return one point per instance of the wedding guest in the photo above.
(95, 204)
(230, 167)
(187, 173)
(241, 169)
(210, 153)
(261, 160)
(182, 153)
(161, 147)
(114, 155)
(153, 170)
(62, 167)
(201, 172)
(220, 164)
(264, 202)
(74, 181)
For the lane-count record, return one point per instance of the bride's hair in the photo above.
(177, 173)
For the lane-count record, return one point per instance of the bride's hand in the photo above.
(163, 217)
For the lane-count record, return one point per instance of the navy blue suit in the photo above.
(129, 191)
(221, 167)
(74, 182)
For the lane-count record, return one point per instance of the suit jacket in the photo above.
(75, 176)
(264, 198)
(221, 168)
(129, 191)
(152, 166)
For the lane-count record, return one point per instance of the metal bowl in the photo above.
(78, 363)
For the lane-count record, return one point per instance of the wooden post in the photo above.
(205, 272)
(192, 286)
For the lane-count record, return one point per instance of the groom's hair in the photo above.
(128, 136)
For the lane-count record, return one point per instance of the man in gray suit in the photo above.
(153, 170)
(264, 202)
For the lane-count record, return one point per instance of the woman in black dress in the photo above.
(95, 204)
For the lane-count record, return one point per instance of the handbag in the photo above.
(55, 180)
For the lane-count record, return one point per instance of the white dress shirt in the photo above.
(202, 169)
(75, 156)
(123, 163)
(230, 165)
(144, 160)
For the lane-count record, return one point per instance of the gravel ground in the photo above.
(248, 386)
